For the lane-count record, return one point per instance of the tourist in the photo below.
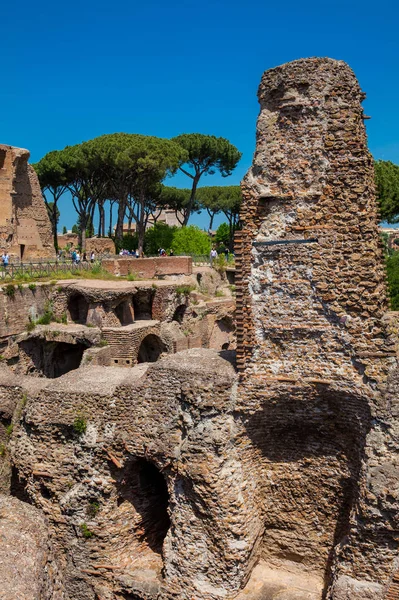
(226, 254)
(5, 259)
(213, 255)
(171, 253)
(77, 258)
(92, 256)
(84, 257)
(73, 256)
(137, 253)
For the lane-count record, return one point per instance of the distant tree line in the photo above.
(128, 171)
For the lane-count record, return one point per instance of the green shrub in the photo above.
(191, 240)
(102, 342)
(64, 318)
(93, 509)
(30, 326)
(80, 425)
(45, 319)
(86, 531)
(392, 264)
(184, 290)
(9, 290)
(219, 294)
(32, 286)
(9, 430)
(132, 277)
(159, 236)
(2, 450)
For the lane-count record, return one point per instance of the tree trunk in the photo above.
(212, 216)
(101, 213)
(141, 225)
(187, 211)
(111, 205)
(121, 217)
(54, 223)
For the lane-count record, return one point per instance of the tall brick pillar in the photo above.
(312, 350)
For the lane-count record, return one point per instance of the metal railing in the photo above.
(41, 269)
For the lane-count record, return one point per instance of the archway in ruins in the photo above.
(124, 312)
(151, 349)
(142, 304)
(142, 484)
(78, 307)
(52, 359)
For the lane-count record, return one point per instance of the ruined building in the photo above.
(183, 479)
(25, 230)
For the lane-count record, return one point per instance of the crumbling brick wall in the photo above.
(25, 230)
(312, 349)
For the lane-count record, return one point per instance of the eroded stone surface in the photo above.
(27, 567)
(25, 230)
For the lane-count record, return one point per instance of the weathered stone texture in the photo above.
(313, 351)
(27, 567)
(25, 230)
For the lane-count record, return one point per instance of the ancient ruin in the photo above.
(25, 230)
(163, 469)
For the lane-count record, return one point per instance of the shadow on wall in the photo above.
(222, 335)
(78, 307)
(143, 485)
(311, 444)
(151, 349)
(52, 359)
(124, 312)
(142, 304)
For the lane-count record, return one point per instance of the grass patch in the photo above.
(9, 290)
(184, 290)
(9, 430)
(219, 294)
(102, 343)
(93, 509)
(3, 450)
(80, 425)
(86, 531)
(32, 286)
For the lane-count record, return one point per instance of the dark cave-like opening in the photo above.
(124, 313)
(78, 307)
(150, 349)
(53, 359)
(143, 484)
(142, 304)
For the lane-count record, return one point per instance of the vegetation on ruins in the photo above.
(86, 532)
(387, 183)
(80, 425)
(128, 169)
(9, 290)
(206, 155)
(392, 265)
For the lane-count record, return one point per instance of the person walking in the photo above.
(212, 256)
(5, 259)
(92, 256)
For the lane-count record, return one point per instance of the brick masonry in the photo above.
(25, 230)
(317, 364)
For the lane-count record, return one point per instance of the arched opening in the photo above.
(142, 484)
(52, 359)
(179, 313)
(142, 304)
(78, 307)
(151, 349)
(124, 312)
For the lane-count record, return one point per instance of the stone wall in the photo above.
(25, 230)
(315, 358)
(20, 305)
(148, 268)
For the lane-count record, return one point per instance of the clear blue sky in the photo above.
(73, 70)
